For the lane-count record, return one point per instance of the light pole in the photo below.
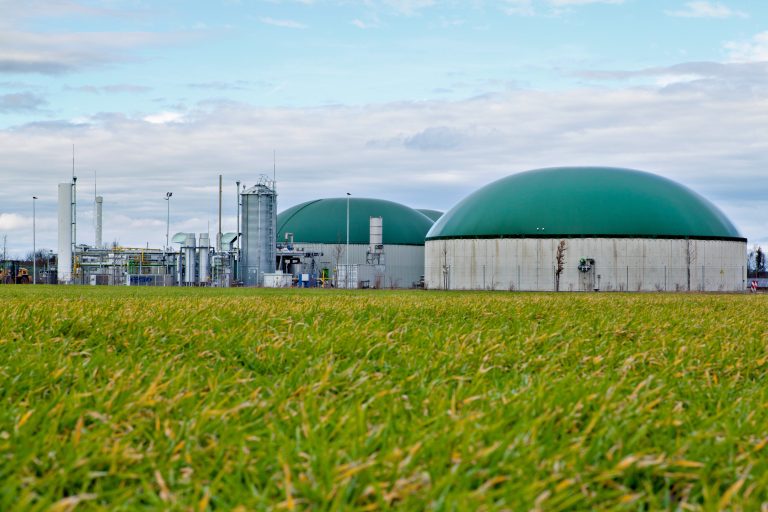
(34, 248)
(167, 233)
(168, 218)
(346, 251)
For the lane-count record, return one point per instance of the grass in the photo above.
(123, 399)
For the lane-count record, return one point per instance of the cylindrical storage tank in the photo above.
(585, 229)
(259, 214)
(189, 259)
(205, 265)
(65, 233)
(97, 238)
(376, 233)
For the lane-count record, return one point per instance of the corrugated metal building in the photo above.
(320, 226)
(617, 229)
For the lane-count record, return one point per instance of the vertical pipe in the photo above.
(34, 248)
(74, 220)
(346, 251)
(97, 237)
(218, 235)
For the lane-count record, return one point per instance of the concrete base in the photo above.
(619, 264)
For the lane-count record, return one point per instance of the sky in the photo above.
(415, 101)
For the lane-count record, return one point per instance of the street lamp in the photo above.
(34, 248)
(168, 218)
(346, 251)
(167, 232)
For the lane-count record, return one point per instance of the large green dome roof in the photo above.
(584, 202)
(325, 221)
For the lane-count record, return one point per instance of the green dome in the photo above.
(432, 214)
(324, 221)
(584, 202)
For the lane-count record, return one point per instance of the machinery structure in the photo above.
(11, 272)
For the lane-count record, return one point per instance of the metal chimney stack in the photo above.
(97, 239)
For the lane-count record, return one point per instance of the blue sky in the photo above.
(382, 98)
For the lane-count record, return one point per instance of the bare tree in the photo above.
(338, 252)
(560, 262)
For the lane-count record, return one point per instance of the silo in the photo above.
(65, 233)
(189, 260)
(205, 253)
(259, 215)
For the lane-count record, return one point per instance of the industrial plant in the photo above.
(555, 229)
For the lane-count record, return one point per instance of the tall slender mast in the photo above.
(73, 248)
(218, 235)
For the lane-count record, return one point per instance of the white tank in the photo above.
(205, 261)
(376, 233)
(65, 233)
(189, 259)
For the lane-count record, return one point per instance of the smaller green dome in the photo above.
(324, 221)
(584, 202)
(432, 214)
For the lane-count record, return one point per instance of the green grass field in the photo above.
(123, 399)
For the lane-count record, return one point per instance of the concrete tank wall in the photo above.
(622, 264)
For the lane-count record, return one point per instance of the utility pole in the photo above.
(167, 232)
(34, 245)
(218, 235)
(346, 251)
(168, 218)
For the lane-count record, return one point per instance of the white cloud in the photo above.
(55, 53)
(519, 7)
(529, 7)
(13, 221)
(711, 139)
(283, 23)
(164, 118)
(409, 7)
(564, 3)
(755, 50)
(704, 9)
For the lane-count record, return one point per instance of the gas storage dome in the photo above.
(432, 214)
(616, 229)
(386, 240)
